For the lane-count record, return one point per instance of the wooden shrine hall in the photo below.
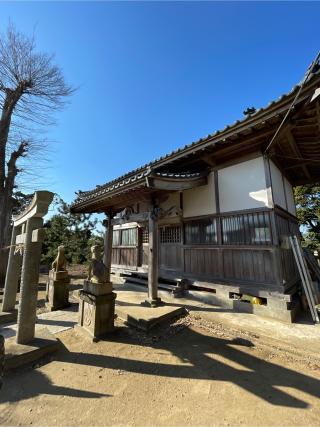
(218, 212)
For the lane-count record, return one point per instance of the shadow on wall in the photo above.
(208, 358)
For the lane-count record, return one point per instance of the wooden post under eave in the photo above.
(108, 236)
(153, 273)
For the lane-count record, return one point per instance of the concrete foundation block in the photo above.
(17, 355)
(275, 308)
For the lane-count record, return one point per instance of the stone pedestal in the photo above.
(58, 290)
(152, 302)
(96, 309)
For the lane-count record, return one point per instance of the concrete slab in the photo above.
(54, 321)
(18, 354)
(146, 318)
(130, 310)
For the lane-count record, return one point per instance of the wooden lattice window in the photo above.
(125, 237)
(170, 234)
(129, 237)
(116, 238)
(246, 229)
(145, 235)
(201, 232)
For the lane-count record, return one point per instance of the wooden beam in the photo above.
(297, 165)
(209, 160)
(216, 190)
(135, 217)
(173, 184)
(267, 173)
(108, 237)
(296, 151)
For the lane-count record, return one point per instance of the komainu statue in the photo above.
(97, 270)
(59, 264)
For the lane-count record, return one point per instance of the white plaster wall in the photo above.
(200, 200)
(279, 196)
(290, 197)
(243, 186)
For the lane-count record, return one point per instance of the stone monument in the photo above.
(57, 286)
(97, 301)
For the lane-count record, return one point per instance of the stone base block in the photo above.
(58, 294)
(274, 308)
(96, 314)
(145, 318)
(21, 354)
(156, 302)
(8, 316)
(97, 288)
(59, 275)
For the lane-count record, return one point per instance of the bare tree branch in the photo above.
(32, 89)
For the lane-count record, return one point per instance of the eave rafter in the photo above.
(296, 152)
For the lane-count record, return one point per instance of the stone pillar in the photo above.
(108, 236)
(153, 262)
(13, 275)
(29, 283)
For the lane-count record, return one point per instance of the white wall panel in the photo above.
(243, 186)
(200, 200)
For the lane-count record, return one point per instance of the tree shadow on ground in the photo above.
(204, 357)
(199, 357)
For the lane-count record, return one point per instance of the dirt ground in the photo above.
(192, 373)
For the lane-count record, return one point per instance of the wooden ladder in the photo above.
(307, 283)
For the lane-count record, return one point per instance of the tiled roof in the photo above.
(238, 126)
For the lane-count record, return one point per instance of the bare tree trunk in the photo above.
(5, 214)
(31, 88)
(6, 182)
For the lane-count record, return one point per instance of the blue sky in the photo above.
(155, 76)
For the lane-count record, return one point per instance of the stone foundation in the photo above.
(280, 307)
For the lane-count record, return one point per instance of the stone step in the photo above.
(143, 282)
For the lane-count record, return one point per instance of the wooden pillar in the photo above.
(153, 262)
(108, 236)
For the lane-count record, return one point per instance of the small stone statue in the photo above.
(97, 270)
(59, 264)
